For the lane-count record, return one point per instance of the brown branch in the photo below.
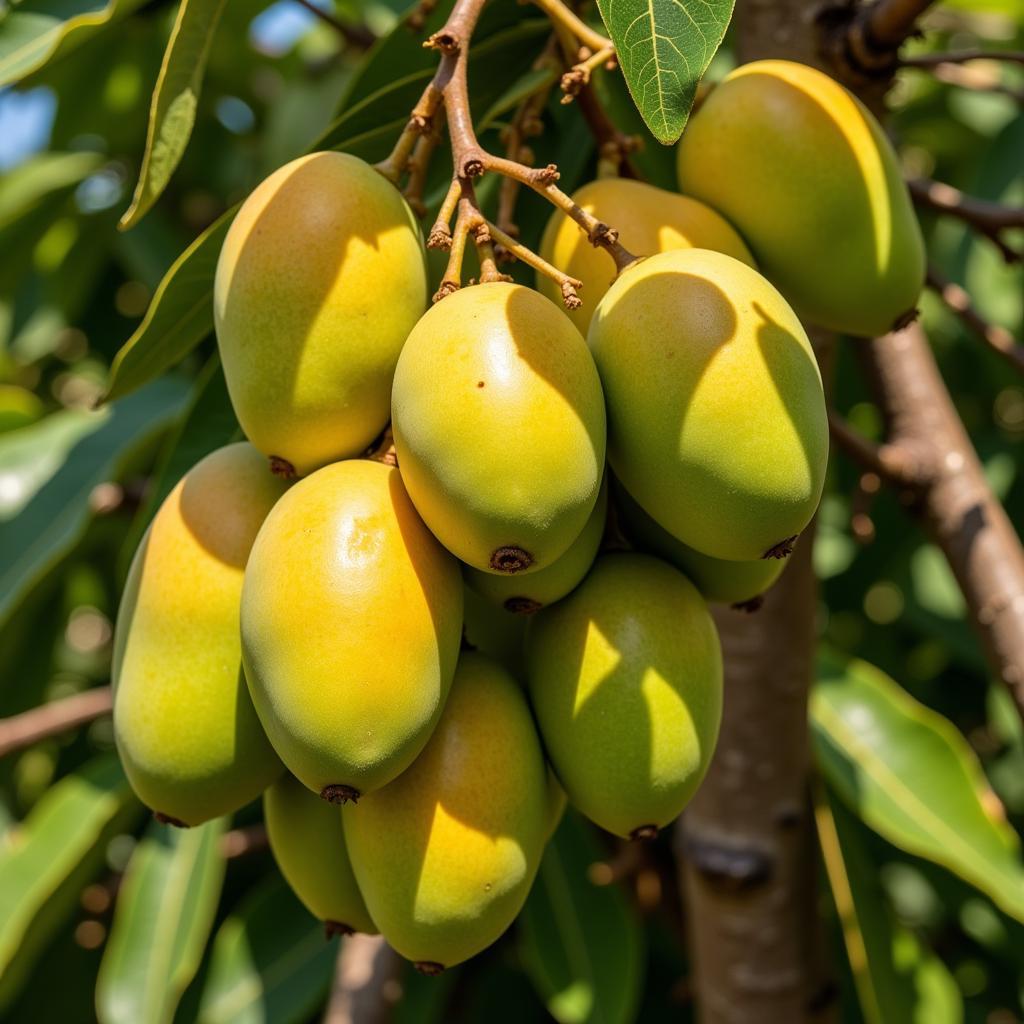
(929, 60)
(999, 339)
(240, 842)
(954, 501)
(20, 731)
(366, 983)
(987, 218)
(564, 18)
(355, 35)
(898, 465)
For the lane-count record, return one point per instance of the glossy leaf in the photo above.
(34, 32)
(664, 46)
(49, 470)
(165, 909)
(896, 976)
(270, 962)
(175, 99)
(47, 860)
(909, 775)
(581, 943)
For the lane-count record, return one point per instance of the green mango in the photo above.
(625, 678)
(321, 277)
(806, 174)
(351, 625)
(718, 579)
(189, 738)
(446, 854)
(716, 414)
(499, 427)
(523, 594)
(308, 842)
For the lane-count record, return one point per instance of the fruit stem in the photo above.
(559, 14)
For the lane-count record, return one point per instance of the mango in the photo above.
(808, 177)
(446, 854)
(320, 279)
(557, 803)
(351, 624)
(719, 580)
(525, 594)
(188, 735)
(716, 414)
(625, 678)
(648, 220)
(499, 426)
(308, 842)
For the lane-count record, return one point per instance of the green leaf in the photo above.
(664, 46)
(164, 914)
(175, 98)
(34, 32)
(24, 187)
(48, 471)
(897, 978)
(907, 773)
(47, 860)
(581, 944)
(270, 963)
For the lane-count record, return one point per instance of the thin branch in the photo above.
(999, 339)
(896, 464)
(20, 731)
(929, 60)
(355, 35)
(864, 41)
(561, 15)
(987, 218)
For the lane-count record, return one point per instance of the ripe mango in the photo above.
(808, 177)
(648, 220)
(499, 427)
(189, 739)
(351, 624)
(718, 579)
(716, 415)
(525, 594)
(625, 677)
(321, 277)
(446, 854)
(308, 843)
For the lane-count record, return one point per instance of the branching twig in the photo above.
(577, 78)
(987, 218)
(563, 17)
(863, 41)
(20, 731)
(999, 339)
(898, 465)
(355, 35)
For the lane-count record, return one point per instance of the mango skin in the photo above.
(446, 854)
(321, 277)
(308, 843)
(525, 594)
(716, 414)
(808, 177)
(351, 624)
(499, 426)
(625, 678)
(717, 579)
(648, 220)
(188, 735)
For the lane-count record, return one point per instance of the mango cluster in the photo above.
(417, 664)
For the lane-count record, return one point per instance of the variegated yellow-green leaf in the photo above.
(664, 46)
(175, 98)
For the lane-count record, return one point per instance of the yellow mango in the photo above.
(446, 854)
(808, 177)
(351, 624)
(189, 739)
(648, 220)
(499, 427)
(321, 278)
(716, 414)
(625, 678)
(308, 842)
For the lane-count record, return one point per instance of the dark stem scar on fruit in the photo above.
(428, 967)
(282, 468)
(166, 819)
(338, 794)
(905, 319)
(644, 832)
(751, 605)
(783, 549)
(332, 928)
(522, 605)
(511, 560)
